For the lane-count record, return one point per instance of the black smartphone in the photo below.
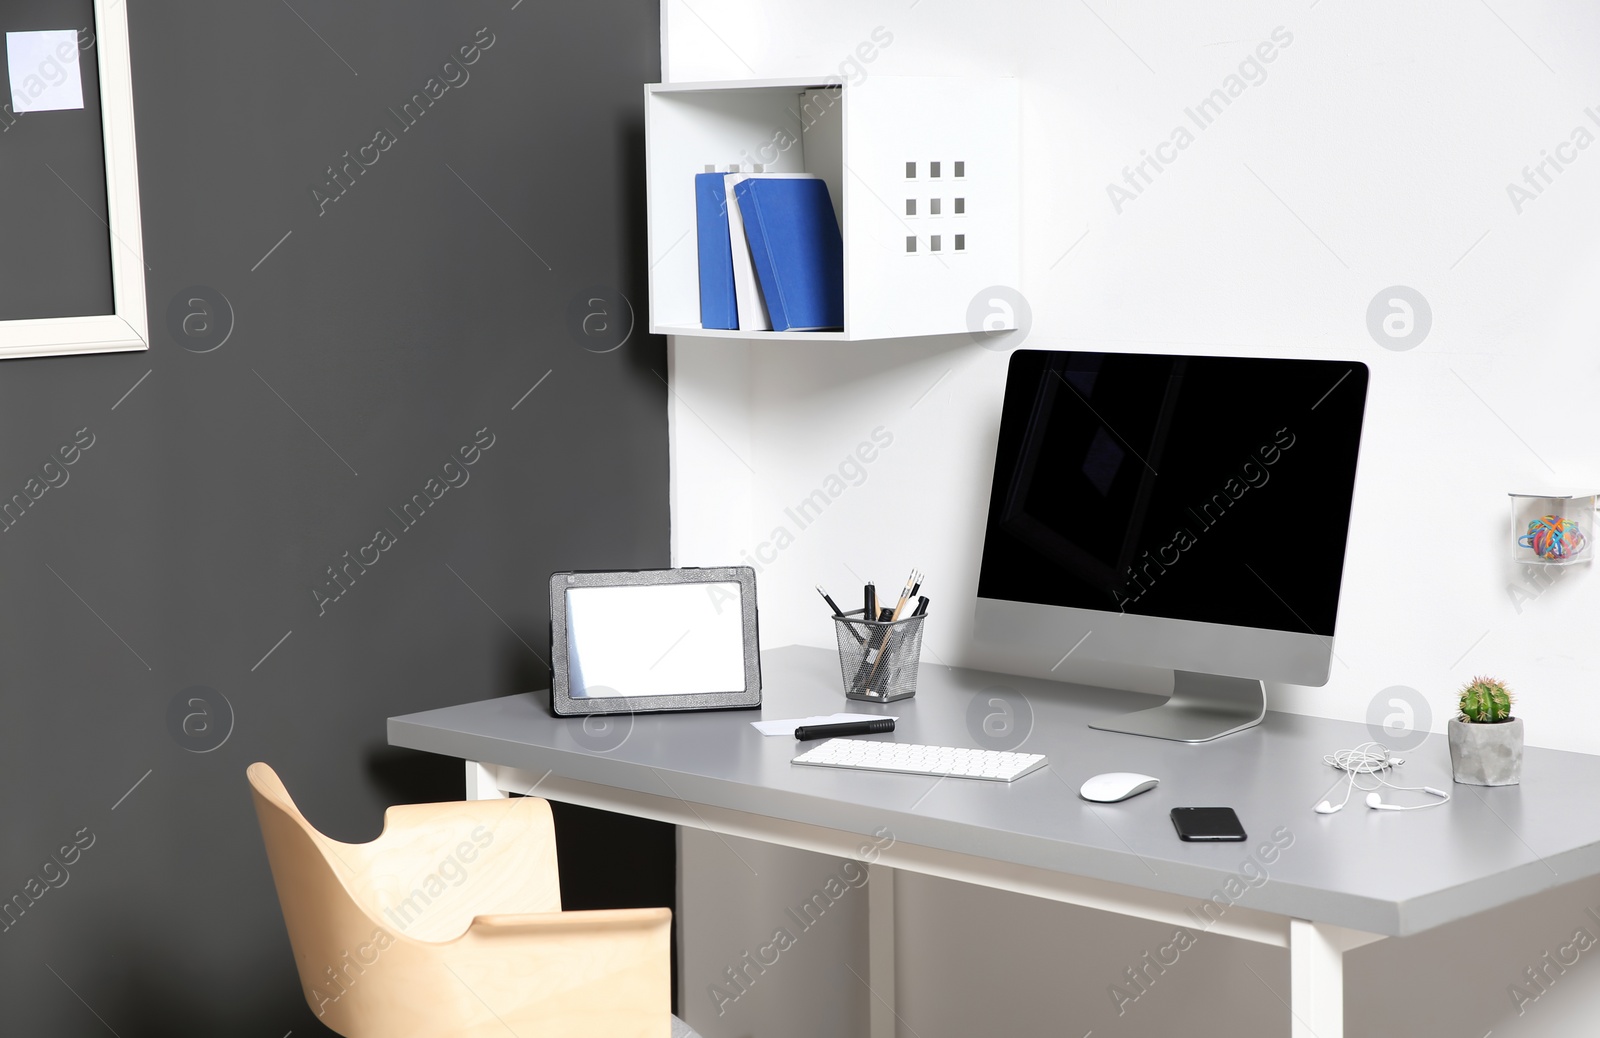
(1207, 823)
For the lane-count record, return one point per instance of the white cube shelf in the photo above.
(923, 172)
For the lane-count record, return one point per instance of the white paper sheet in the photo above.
(787, 727)
(44, 71)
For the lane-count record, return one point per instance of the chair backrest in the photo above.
(335, 941)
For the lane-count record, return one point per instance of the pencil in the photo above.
(913, 582)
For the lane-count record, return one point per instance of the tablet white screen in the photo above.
(656, 640)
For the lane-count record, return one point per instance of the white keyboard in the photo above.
(916, 759)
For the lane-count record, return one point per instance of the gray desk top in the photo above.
(1385, 872)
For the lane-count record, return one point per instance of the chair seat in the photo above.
(683, 1030)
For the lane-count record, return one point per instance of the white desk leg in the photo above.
(1316, 979)
(880, 950)
(481, 784)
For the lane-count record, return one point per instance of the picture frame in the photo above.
(698, 626)
(127, 326)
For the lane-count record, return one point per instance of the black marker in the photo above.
(922, 606)
(807, 732)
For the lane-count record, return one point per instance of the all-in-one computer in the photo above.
(1183, 512)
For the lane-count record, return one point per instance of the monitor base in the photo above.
(1203, 707)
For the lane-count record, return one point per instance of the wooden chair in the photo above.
(450, 924)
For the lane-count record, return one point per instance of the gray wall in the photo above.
(185, 543)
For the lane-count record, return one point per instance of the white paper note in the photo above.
(44, 70)
(787, 727)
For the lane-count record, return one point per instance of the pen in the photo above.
(831, 603)
(870, 641)
(869, 601)
(807, 732)
(922, 606)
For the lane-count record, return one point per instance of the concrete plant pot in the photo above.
(1486, 754)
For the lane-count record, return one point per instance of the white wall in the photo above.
(1376, 152)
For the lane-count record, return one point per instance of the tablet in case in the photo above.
(646, 640)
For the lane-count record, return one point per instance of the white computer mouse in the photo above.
(1116, 785)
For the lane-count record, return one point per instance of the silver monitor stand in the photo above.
(1203, 707)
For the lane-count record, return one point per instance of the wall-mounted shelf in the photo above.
(923, 172)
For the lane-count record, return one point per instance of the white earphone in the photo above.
(1376, 802)
(1371, 758)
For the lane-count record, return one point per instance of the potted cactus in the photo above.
(1486, 741)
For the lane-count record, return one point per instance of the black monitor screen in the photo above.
(1213, 489)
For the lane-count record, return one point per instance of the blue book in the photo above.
(717, 306)
(797, 250)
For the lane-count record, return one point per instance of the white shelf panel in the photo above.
(726, 333)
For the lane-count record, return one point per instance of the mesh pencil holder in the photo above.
(878, 659)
